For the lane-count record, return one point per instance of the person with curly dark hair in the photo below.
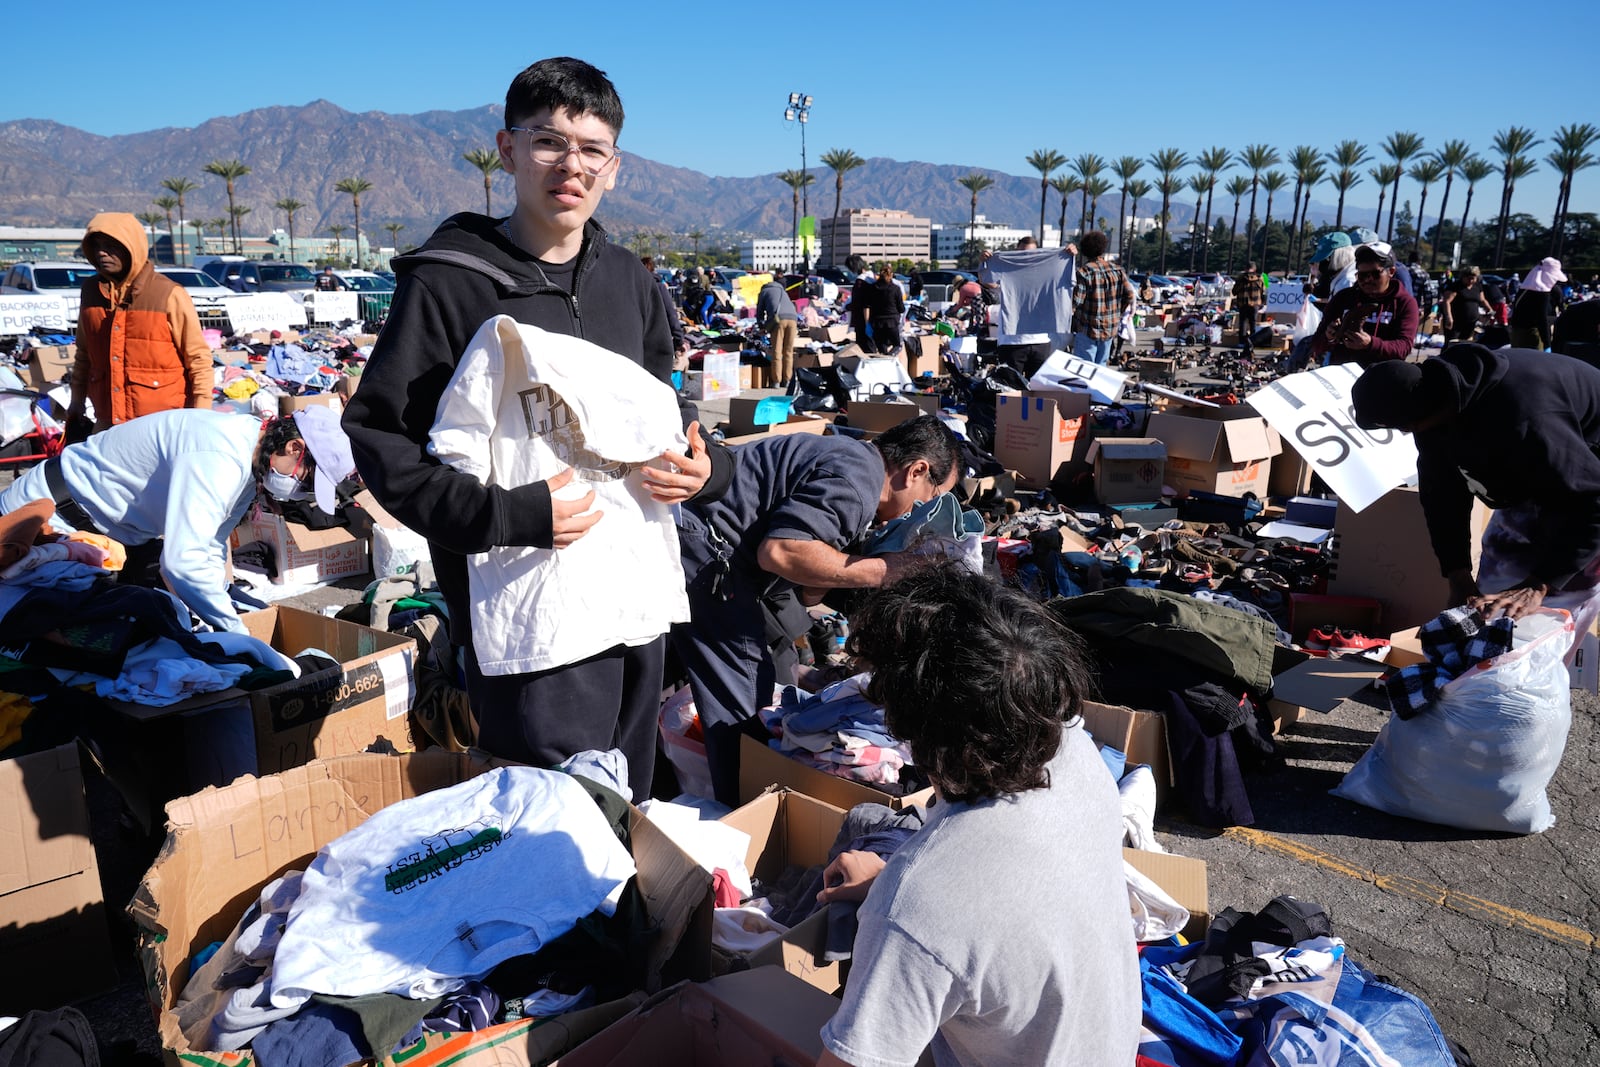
(999, 933)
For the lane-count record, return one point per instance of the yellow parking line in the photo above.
(1416, 889)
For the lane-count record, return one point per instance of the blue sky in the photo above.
(971, 84)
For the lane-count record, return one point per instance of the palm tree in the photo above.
(1138, 189)
(841, 161)
(1237, 186)
(1473, 171)
(355, 187)
(394, 229)
(289, 205)
(1167, 163)
(1213, 161)
(1199, 184)
(974, 183)
(696, 236)
(488, 161)
(1313, 174)
(1301, 159)
(797, 180)
(1096, 187)
(1400, 148)
(1067, 185)
(149, 218)
(1384, 175)
(180, 187)
(1045, 161)
(1258, 157)
(1126, 169)
(1450, 157)
(236, 213)
(1345, 158)
(219, 226)
(1272, 182)
(338, 229)
(230, 171)
(1424, 172)
(1513, 144)
(1087, 167)
(166, 204)
(1571, 155)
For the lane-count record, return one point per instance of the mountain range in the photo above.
(56, 175)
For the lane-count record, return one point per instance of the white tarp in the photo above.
(1313, 414)
(332, 307)
(1064, 372)
(20, 314)
(263, 311)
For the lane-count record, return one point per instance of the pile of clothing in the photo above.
(840, 732)
(511, 895)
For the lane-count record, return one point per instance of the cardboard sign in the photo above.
(1286, 298)
(20, 314)
(1313, 413)
(1064, 372)
(332, 307)
(263, 311)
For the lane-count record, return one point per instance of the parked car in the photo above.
(836, 275)
(249, 276)
(48, 278)
(208, 294)
(377, 293)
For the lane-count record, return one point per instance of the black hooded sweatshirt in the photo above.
(1527, 431)
(465, 274)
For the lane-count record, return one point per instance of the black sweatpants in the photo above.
(610, 700)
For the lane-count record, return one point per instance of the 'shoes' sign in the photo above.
(1312, 411)
(21, 314)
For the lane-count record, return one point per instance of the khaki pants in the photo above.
(783, 333)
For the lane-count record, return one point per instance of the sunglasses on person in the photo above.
(548, 148)
(1376, 272)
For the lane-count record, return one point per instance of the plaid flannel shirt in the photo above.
(1101, 296)
(1248, 291)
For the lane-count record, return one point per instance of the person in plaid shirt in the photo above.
(1100, 298)
(1249, 296)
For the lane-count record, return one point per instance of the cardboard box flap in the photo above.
(1250, 439)
(380, 517)
(1321, 684)
(44, 826)
(1131, 448)
(1186, 438)
(1183, 878)
(309, 540)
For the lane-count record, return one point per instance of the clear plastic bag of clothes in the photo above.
(17, 411)
(1480, 756)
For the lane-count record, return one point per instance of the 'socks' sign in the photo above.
(1313, 412)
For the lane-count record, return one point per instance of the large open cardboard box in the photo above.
(757, 1017)
(761, 767)
(332, 712)
(223, 845)
(1128, 470)
(876, 416)
(1035, 435)
(1230, 454)
(1141, 736)
(1184, 879)
(790, 829)
(53, 935)
(305, 556)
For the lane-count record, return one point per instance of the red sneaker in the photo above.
(1355, 641)
(1321, 640)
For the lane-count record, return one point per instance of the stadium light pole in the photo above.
(799, 110)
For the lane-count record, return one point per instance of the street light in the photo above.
(800, 109)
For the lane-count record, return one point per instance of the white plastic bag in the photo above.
(1479, 757)
(1306, 321)
(687, 756)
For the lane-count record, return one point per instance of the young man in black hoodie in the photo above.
(1517, 429)
(548, 265)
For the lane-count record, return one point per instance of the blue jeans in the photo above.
(1095, 351)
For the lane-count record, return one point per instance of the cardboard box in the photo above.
(332, 712)
(288, 405)
(836, 334)
(763, 1016)
(810, 360)
(803, 423)
(53, 932)
(1128, 470)
(1291, 475)
(752, 376)
(1185, 881)
(1320, 685)
(876, 416)
(223, 845)
(761, 767)
(790, 829)
(1141, 736)
(1384, 552)
(1231, 456)
(922, 355)
(1036, 435)
(49, 364)
(305, 556)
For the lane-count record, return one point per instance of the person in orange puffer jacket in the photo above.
(140, 348)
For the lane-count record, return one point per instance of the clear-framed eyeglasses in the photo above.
(548, 148)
